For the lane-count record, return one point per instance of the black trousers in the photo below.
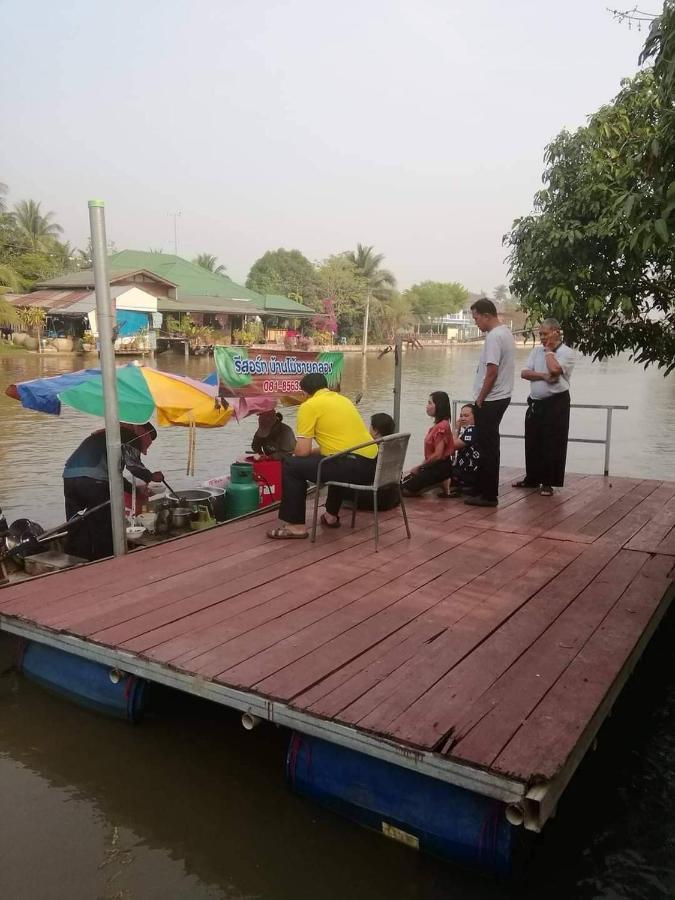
(387, 498)
(547, 424)
(90, 538)
(487, 418)
(428, 475)
(298, 470)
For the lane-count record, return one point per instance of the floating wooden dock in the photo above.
(485, 652)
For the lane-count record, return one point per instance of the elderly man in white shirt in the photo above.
(548, 369)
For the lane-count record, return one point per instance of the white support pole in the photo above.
(105, 316)
(366, 317)
(398, 377)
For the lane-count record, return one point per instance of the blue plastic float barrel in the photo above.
(419, 811)
(88, 683)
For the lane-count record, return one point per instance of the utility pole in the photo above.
(366, 317)
(175, 231)
(105, 317)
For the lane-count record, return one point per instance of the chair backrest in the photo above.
(391, 451)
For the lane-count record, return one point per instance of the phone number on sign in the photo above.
(281, 387)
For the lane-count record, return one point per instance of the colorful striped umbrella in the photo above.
(141, 391)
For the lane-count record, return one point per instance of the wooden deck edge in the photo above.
(541, 800)
(479, 781)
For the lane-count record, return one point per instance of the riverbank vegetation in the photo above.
(342, 285)
(339, 287)
(597, 252)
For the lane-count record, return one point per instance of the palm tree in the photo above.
(207, 261)
(35, 226)
(367, 264)
(3, 190)
(64, 255)
(380, 282)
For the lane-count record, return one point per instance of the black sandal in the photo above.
(524, 484)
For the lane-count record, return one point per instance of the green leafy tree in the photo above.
(500, 293)
(340, 282)
(37, 227)
(8, 315)
(10, 279)
(38, 266)
(598, 250)
(207, 261)
(392, 317)
(432, 299)
(284, 272)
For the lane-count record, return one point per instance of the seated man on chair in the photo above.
(334, 424)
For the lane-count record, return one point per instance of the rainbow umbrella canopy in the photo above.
(141, 391)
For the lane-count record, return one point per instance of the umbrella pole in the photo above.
(105, 316)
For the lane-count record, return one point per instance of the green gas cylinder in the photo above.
(242, 494)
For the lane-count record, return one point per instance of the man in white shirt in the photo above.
(547, 420)
(493, 386)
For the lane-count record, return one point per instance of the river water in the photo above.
(190, 806)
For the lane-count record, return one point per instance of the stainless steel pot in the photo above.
(190, 498)
(180, 516)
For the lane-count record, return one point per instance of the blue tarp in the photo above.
(130, 321)
(41, 393)
(212, 378)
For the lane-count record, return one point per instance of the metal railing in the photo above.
(607, 440)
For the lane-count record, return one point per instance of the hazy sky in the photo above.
(418, 127)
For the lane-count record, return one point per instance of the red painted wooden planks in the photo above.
(365, 689)
(290, 666)
(414, 683)
(428, 721)
(202, 609)
(545, 740)
(587, 507)
(657, 523)
(385, 586)
(485, 726)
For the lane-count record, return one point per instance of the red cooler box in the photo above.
(267, 473)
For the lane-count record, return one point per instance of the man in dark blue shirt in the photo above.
(86, 485)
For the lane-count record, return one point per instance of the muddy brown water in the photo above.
(188, 805)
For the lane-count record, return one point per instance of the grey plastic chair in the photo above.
(388, 470)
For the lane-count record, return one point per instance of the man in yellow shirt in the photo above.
(334, 424)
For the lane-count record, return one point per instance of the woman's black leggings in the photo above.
(429, 474)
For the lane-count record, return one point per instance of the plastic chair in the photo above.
(388, 471)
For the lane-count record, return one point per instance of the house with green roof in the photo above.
(182, 287)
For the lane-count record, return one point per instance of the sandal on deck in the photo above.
(524, 484)
(326, 524)
(283, 534)
(546, 491)
(450, 495)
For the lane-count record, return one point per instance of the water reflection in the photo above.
(33, 447)
(189, 805)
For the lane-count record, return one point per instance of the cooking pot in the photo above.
(180, 516)
(192, 499)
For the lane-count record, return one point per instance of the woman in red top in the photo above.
(438, 449)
